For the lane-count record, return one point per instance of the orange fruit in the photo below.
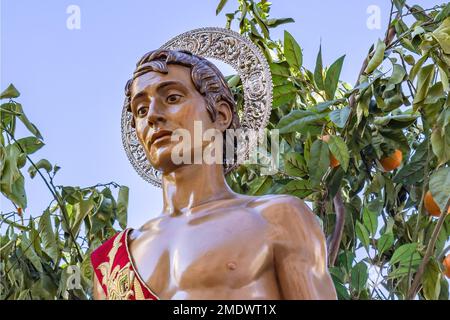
(431, 205)
(446, 264)
(333, 161)
(393, 161)
(19, 211)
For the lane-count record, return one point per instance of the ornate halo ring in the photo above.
(245, 58)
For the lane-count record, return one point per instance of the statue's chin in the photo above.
(161, 160)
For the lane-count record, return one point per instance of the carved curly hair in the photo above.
(206, 77)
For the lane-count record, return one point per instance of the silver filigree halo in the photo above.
(245, 58)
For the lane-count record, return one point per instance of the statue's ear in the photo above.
(224, 115)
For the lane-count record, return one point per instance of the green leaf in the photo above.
(423, 83)
(24, 295)
(440, 186)
(443, 235)
(71, 194)
(431, 280)
(341, 290)
(444, 294)
(283, 94)
(297, 120)
(409, 59)
(377, 57)
(340, 116)
(272, 23)
(280, 72)
(399, 272)
(56, 169)
(399, 121)
(15, 225)
(27, 249)
(362, 233)
(394, 139)
(292, 51)
(318, 76)
(414, 260)
(346, 259)
(10, 92)
(49, 243)
(12, 183)
(334, 181)
(295, 165)
(31, 127)
(442, 35)
(41, 164)
(444, 13)
(230, 18)
(398, 74)
(393, 99)
(440, 143)
(399, 4)
(81, 210)
(435, 93)
(340, 151)
(332, 77)
(362, 108)
(319, 162)
(46, 287)
(298, 188)
(370, 220)
(257, 15)
(324, 106)
(220, 6)
(30, 144)
(415, 69)
(122, 206)
(242, 19)
(233, 81)
(418, 30)
(359, 276)
(412, 171)
(403, 253)
(260, 185)
(385, 242)
(9, 108)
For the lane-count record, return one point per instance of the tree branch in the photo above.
(338, 228)
(429, 252)
(52, 191)
(390, 34)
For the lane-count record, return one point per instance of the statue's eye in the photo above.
(142, 111)
(173, 98)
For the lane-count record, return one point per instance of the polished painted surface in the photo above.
(210, 242)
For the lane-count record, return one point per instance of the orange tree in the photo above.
(47, 256)
(366, 155)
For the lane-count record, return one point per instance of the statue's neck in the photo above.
(193, 185)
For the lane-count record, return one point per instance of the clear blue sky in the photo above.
(72, 80)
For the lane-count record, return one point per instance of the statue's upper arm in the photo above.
(299, 252)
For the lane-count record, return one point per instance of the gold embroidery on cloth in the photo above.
(119, 281)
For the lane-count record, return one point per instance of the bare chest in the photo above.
(212, 250)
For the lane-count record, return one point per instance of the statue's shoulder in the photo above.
(281, 203)
(285, 211)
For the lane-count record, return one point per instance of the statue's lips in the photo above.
(160, 135)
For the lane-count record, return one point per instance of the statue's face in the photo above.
(167, 102)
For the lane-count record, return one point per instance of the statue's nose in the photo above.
(155, 117)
